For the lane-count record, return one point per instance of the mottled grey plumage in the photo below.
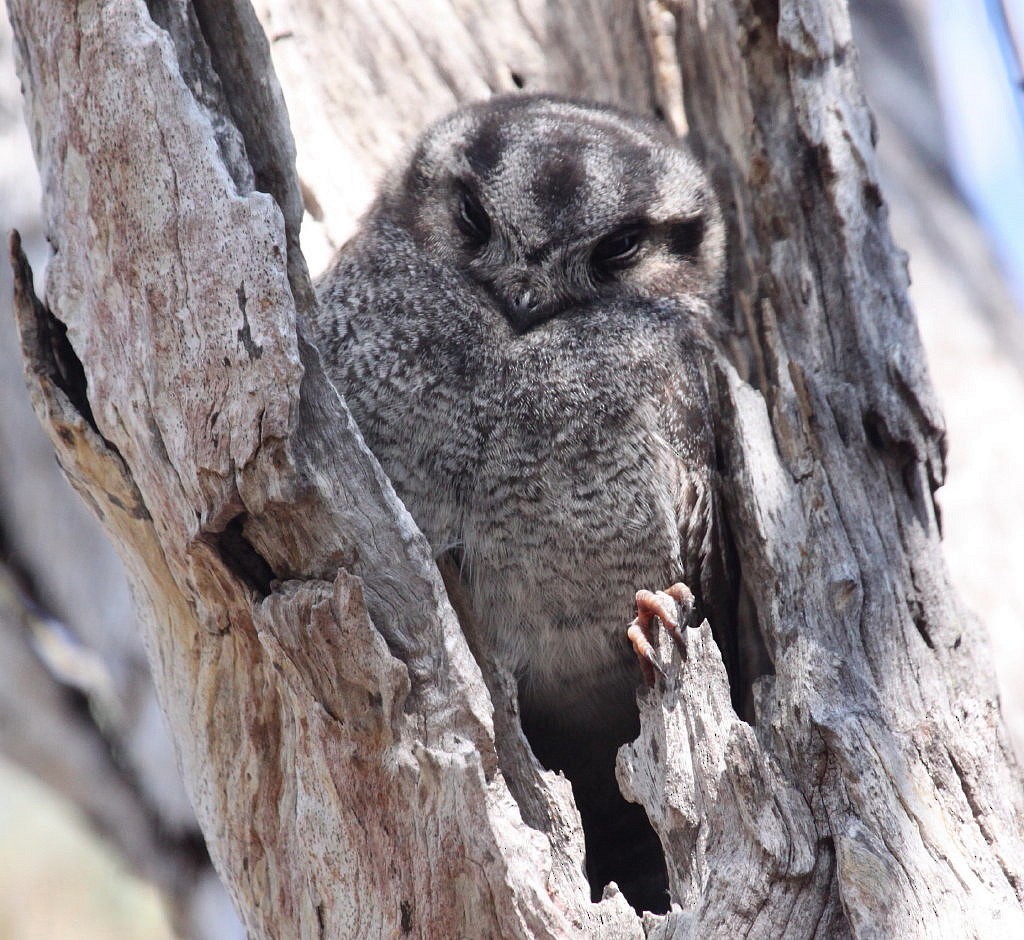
(519, 329)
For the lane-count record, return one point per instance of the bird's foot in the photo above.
(672, 607)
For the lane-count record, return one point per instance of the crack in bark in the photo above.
(978, 812)
(193, 53)
(52, 350)
(253, 350)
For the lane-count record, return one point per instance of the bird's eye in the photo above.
(472, 220)
(618, 251)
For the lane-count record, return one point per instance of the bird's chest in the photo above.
(568, 510)
(547, 475)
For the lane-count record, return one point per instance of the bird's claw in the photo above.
(642, 647)
(672, 607)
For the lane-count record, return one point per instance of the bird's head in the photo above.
(550, 205)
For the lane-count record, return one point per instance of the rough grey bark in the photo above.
(337, 739)
(973, 332)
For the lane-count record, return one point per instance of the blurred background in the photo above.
(96, 836)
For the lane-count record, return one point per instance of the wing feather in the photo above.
(687, 429)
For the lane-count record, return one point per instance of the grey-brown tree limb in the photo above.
(352, 773)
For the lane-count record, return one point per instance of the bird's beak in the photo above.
(524, 309)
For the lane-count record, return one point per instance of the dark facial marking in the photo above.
(484, 152)
(637, 168)
(684, 238)
(558, 183)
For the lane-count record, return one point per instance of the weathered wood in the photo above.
(229, 472)
(73, 664)
(346, 768)
(882, 712)
(972, 328)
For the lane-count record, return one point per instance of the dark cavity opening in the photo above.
(242, 559)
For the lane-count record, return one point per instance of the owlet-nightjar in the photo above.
(520, 327)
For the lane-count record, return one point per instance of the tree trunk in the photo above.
(77, 705)
(351, 772)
